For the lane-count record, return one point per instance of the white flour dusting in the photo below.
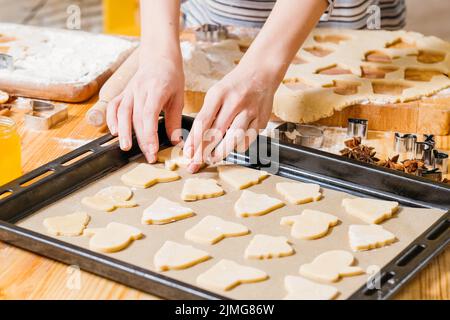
(71, 143)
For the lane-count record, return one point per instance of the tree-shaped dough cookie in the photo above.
(370, 210)
(240, 177)
(299, 288)
(146, 175)
(199, 189)
(299, 193)
(267, 247)
(255, 204)
(175, 256)
(70, 225)
(164, 211)
(366, 237)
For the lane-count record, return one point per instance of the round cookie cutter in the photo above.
(300, 134)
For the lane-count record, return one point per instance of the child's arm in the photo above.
(242, 100)
(157, 85)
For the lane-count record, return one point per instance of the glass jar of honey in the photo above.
(10, 158)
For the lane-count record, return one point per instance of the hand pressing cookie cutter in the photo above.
(44, 115)
(211, 33)
(300, 134)
(357, 128)
(6, 61)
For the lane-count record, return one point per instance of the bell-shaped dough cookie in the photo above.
(173, 158)
(330, 266)
(70, 225)
(212, 229)
(299, 288)
(370, 210)
(240, 177)
(366, 237)
(311, 224)
(175, 256)
(164, 211)
(113, 238)
(255, 204)
(199, 189)
(268, 247)
(227, 274)
(146, 175)
(299, 193)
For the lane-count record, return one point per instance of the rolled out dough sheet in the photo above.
(407, 225)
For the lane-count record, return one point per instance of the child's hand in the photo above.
(157, 85)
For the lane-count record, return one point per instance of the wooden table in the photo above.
(24, 275)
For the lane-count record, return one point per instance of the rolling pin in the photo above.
(96, 115)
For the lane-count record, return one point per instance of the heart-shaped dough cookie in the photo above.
(175, 256)
(299, 193)
(370, 210)
(164, 211)
(212, 229)
(366, 237)
(199, 189)
(255, 204)
(113, 238)
(146, 175)
(71, 225)
(268, 247)
(227, 274)
(311, 224)
(330, 266)
(299, 288)
(240, 177)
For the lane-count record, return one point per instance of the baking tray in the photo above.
(103, 158)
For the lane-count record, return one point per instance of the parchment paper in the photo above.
(407, 225)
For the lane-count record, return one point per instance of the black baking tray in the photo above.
(85, 165)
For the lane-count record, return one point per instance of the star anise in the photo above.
(414, 166)
(353, 143)
(392, 163)
(361, 153)
(445, 180)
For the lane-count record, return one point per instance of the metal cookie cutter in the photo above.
(433, 174)
(304, 135)
(6, 61)
(357, 128)
(211, 33)
(405, 144)
(424, 151)
(441, 161)
(44, 115)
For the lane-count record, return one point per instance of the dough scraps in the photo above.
(212, 229)
(175, 256)
(370, 210)
(330, 266)
(164, 211)
(71, 225)
(173, 158)
(240, 177)
(299, 288)
(146, 175)
(227, 274)
(366, 237)
(110, 198)
(311, 224)
(268, 247)
(115, 237)
(199, 189)
(254, 204)
(299, 193)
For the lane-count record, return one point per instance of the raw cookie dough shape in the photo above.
(146, 175)
(173, 158)
(163, 211)
(299, 288)
(366, 237)
(311, 224)
(330, 266)
(70, 225)
(115, 237)
(227, 274)
(299, 193)
(240, 177)
(175, 256)
(370, 210)
(343, 87)
(268, 247)
(254, 204)
(199, 189)
(118, 193)
(110, 198)
(212, 229)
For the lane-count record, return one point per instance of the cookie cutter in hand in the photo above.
(211, 33)
(300, 134)
(6, 61)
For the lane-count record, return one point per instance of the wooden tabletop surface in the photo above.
(24, 275)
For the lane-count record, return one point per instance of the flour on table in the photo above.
(299, 193)
(268, 247)
(164, 211)
(366, 237)
(255, 204)
(227, 274)
(115, 237)
(240, 177)
(299, 288)
(199, 189)
(370, 210)
(175, 256)
(330, 266)
(145, 175)
(70, 225)
(311, 224)
(212, 229)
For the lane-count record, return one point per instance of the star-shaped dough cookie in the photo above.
(240, 177)
(115, 237)
(212, 229)
(199, 189)
(299, 193)
(175, 256)
(227, 274)
(330, 266)
(146, 175)
(267, 247)
(366, 237)
(255, 204)
(299, 288)
(370, 210)
(71, 225)
(164, 211)
(311, 224)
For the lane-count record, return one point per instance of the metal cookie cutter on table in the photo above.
(300, 134)
(211, 33)
(44, 115)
